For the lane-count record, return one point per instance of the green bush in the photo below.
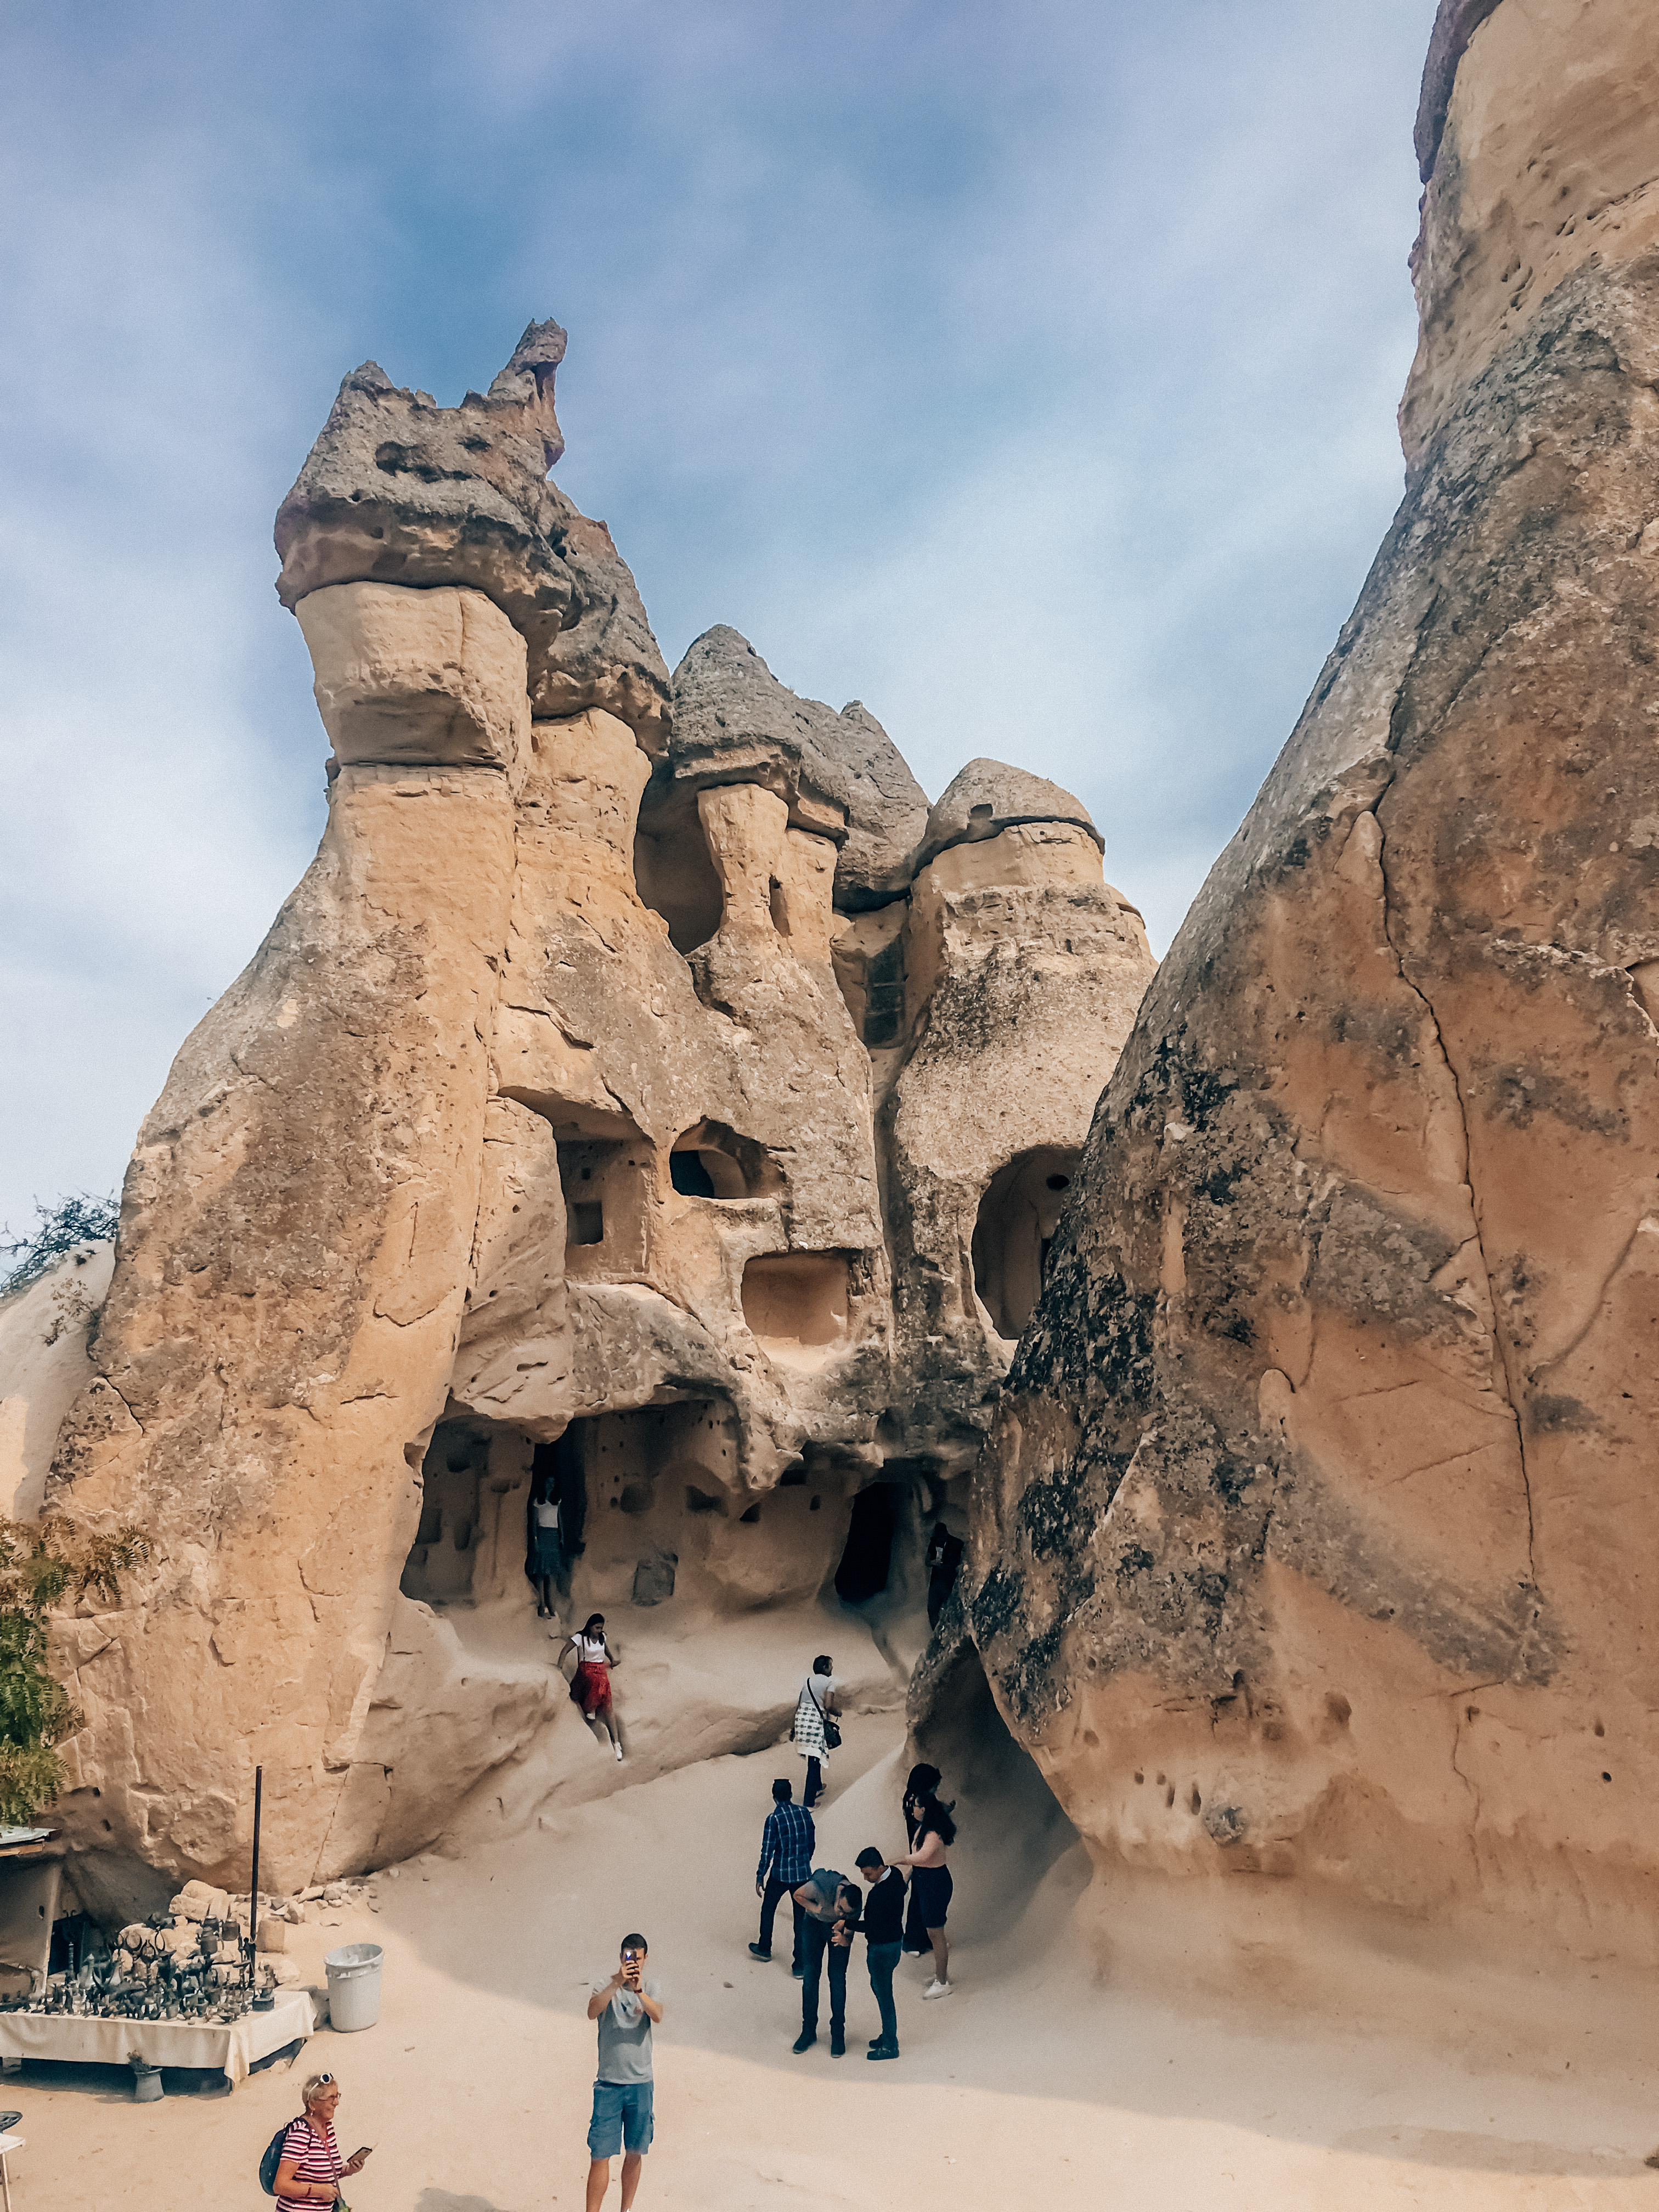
(63, 1227)
(43, 1564)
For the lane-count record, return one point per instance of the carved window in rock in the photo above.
(673, 871)
(1018, 1217)
(709, 1160)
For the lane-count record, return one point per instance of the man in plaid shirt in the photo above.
(788, 1842)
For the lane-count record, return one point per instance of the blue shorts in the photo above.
(622, 2118)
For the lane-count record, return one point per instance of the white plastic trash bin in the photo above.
(354, 1986)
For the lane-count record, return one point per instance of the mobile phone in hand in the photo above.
(364, 2153)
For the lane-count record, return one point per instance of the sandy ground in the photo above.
(1034, 2084)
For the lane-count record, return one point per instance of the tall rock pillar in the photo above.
(296, 1232)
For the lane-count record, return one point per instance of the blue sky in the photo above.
(1027, 370)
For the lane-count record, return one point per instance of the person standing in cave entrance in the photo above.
(931, 1832)
(787, 1843)
(944, 1557)
(590, 1686)
(815, 1733)
(546, 1564)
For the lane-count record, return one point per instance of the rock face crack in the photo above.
(1500, 1349)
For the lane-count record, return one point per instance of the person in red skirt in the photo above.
(590, 1686)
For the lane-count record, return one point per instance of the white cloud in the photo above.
(1027, 372)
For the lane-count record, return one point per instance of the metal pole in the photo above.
(254, 1899)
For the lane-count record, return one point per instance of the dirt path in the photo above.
(1032, 2085)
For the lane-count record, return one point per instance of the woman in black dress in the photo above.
(931, 1832)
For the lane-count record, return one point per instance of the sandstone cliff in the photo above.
(1316, 1539)
(642, 1088)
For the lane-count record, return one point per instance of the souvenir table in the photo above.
(231, 2047)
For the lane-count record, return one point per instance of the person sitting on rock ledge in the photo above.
(590, 1686)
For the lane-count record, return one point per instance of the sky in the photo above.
(1025, 369)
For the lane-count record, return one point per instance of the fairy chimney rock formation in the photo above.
(610, 1108)
(1310, 1558)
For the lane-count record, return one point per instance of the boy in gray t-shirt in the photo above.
(626, 2007)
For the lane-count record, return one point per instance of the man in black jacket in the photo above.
(884, 1938)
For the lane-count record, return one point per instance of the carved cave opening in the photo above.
(1018, 1217)
(709, 1160)
(605, 1184)
(673, 872)
(866, 1561)
(867, 957)
(469, 1539)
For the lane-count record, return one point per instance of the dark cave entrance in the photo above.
(1012, 1828)
(866, 1562)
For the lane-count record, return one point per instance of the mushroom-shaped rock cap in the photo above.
(399, 490)
(988, 796)
(840, 774)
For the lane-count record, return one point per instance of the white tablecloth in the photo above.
(91, 2042)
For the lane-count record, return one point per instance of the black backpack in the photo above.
(273, 2159)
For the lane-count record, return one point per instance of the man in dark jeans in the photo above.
(787, 1843)
(884, 1943)
(820, 1895)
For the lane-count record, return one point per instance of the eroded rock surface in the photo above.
(1317, 1538)
(614, 1104)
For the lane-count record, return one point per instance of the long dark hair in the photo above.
(593, 1620)
(920, 1785)
(937, 1817)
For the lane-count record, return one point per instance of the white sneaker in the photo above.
(619, 1753)
(937, 1988)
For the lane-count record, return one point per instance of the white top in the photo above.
(590, 1649)
(547, 1512)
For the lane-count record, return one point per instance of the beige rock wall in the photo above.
(1547, 159)
(1312, 1560)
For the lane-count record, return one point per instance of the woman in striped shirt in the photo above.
(310, 2168)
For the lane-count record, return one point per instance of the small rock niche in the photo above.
(604, 1183)
(798, 1305)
